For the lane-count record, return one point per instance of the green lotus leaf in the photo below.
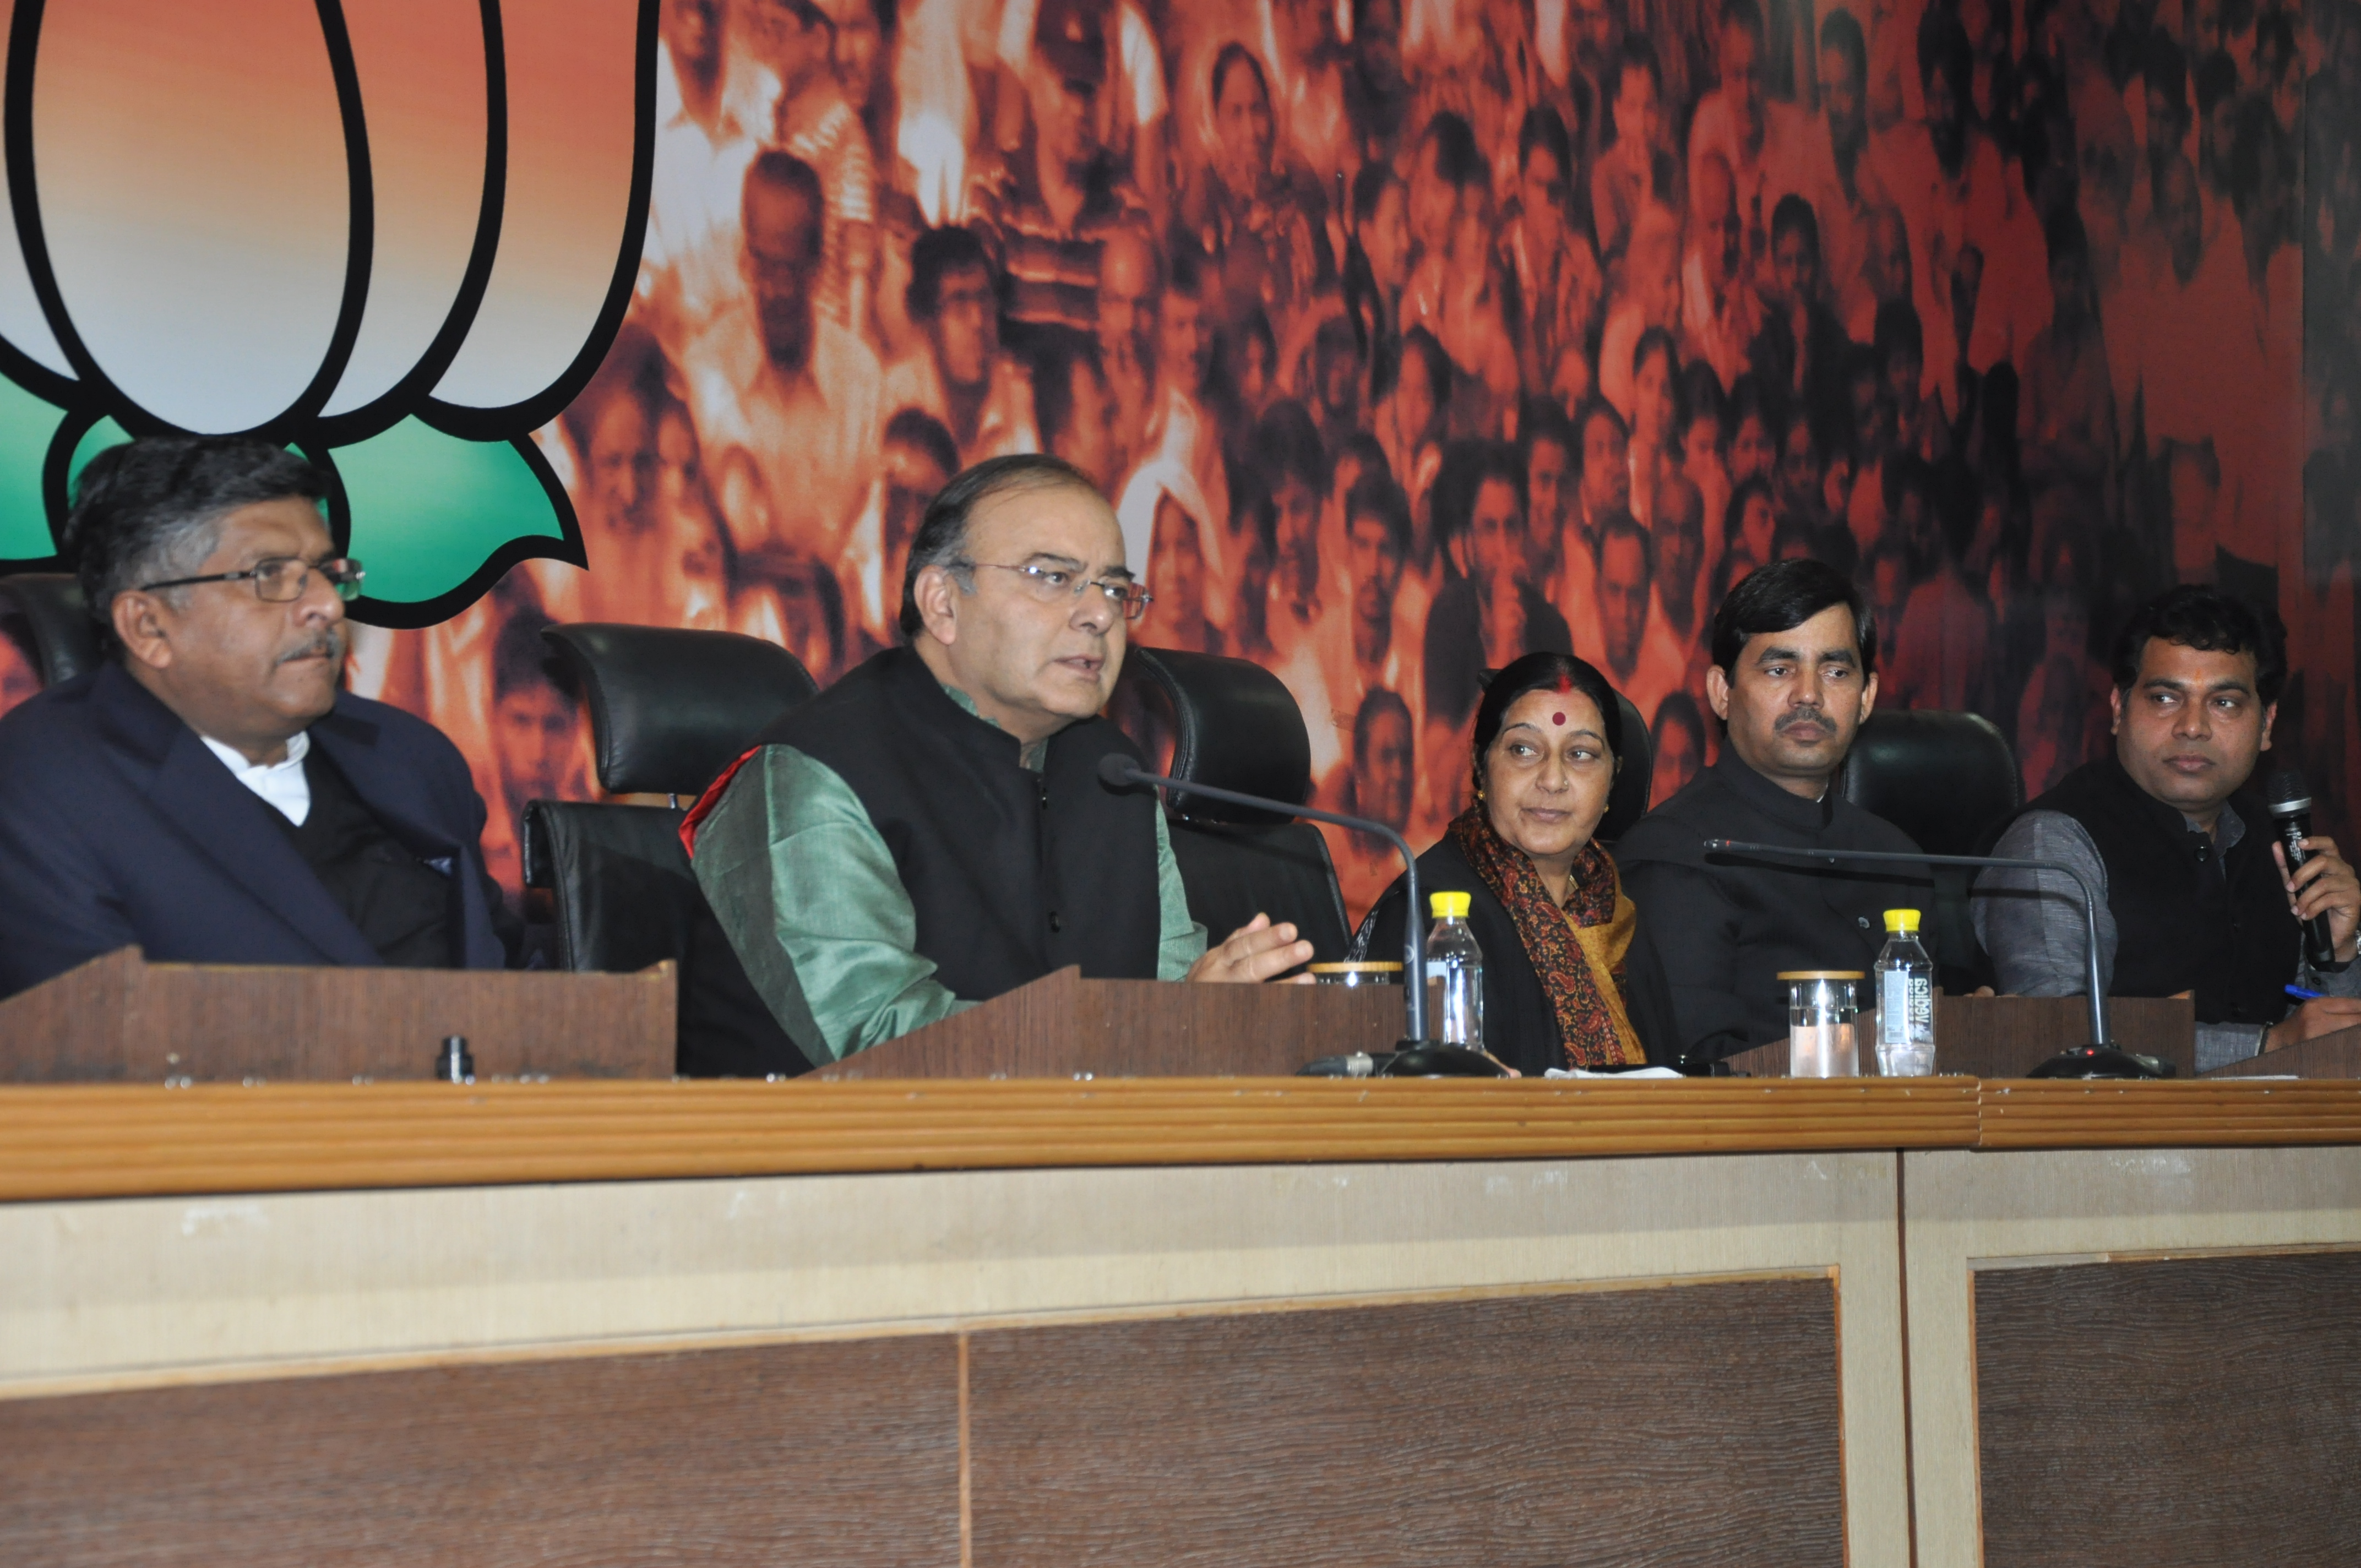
(27, 425)
(429, 510)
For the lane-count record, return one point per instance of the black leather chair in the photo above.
(1950, 781)
(1236, 726)
(1627, 801)
(48, 606)
(669, 710)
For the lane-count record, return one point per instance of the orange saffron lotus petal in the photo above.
(572, 85)
(194, 199)
(420, 65)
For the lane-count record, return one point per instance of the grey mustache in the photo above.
(322, 645)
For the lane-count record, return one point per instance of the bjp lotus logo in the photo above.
(397, 234)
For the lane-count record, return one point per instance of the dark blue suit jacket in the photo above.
(119, 827)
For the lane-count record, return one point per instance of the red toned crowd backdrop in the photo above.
(1406, 335)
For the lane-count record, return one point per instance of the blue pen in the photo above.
(2301, 994)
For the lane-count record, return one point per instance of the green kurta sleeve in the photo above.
(1182, 940)
(807, 893)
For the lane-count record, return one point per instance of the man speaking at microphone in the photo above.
(2193, 892)
(932, 831)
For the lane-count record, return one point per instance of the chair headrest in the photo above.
(1946, 779)
(669, 709)
(1235, 726)
(49, 603)
(1626, 800)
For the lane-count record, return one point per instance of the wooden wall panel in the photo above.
(839, 1452)
(2204, 1412)
(1686, 1424)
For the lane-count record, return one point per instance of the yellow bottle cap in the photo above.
(1450, 905)
(1902, 920)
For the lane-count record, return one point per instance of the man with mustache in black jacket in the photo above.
(1793, 675)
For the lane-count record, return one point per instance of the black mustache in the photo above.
(1805, 716)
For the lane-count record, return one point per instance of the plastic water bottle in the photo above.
(1905, 1000)
(1454, 958)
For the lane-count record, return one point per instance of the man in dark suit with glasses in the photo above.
(211, 793)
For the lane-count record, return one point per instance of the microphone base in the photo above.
(1431, 1059)
(2102, 1061)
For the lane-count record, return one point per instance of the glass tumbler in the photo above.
(1820, 1038)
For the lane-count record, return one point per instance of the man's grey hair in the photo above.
(941, 540)
(152, 509)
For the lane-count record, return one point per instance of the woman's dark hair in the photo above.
(1896, 330)
(1285, 445)
(932, 255)
(1458, 158)
(1422, 343)
(1635, 53)
(941, 539)
(1678, 708)
(1734, 514)
(522, 660)
(152, 509)
(1545, 672)
(2212, 620)
(917, 428)
(1794, 215)
(1657, 340)
(1748, 398)
(1702, 397)
(1234, 55)
(1782, 596)
(1544, 130)
(1843, 35)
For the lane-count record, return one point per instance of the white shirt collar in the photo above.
(282, 784)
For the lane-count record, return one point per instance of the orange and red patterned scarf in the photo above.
(1578, 949)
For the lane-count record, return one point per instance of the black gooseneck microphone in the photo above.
(2291, 805)
(1119, 772)
(2100, 1059)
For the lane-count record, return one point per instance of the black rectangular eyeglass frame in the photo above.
(342, 570)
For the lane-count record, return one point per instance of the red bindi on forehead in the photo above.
(1557, 719)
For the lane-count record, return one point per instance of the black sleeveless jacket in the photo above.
(1013, 873)
(2181, 921)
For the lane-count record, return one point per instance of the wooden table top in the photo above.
(113, 1141)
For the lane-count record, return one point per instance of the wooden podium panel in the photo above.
(2136, 1353)
(2330, 1056)
(121, 1019)
(1063, 1025)
(2007, 1036)
(1462, 1430)
(2181, 1409)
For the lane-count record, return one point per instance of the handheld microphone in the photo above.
(2291, 805)
(2100, 1059)
(1119, 772)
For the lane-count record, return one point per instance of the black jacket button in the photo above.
(1057, 922)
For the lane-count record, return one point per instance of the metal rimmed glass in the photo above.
(1051, 583)
(281, 579)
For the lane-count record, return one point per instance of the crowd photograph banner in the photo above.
(1403, 335)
